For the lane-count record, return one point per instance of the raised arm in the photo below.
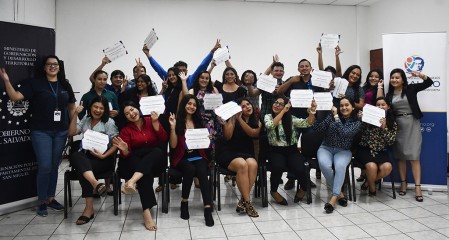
(104, 61)
(320, 57)
(228, 127)
(155, 65)
(73, 128)
(203, 65)
(268, 70)
(287, 85)
(173, 140)
(12, 93)
(337, 61)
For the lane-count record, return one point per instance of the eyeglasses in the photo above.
(279, 104)
(52, 64)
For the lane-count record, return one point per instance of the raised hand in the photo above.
(79, 108)
(120, 144)
(319, 49)
(287, 107)
(172, 120)
(145, 49)
(383, 122)
(313, 106)
(154, 116)
(216, 46)
(380, 84)
(105, 60)
(275, 58)
(183, 76)
(138, 63)
(334, 110)
(338, 50)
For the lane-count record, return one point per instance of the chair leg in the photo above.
(65, 194)
(264, 186)
(218, 190)
(165, 192)
(115, 192)
(211, 183)
(309, 187)
(353, 182)
(69, 192)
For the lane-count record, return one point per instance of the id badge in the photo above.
(57, 116)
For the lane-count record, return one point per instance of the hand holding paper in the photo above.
(373, 115)
(152, 103)
(228, 110)
(95, 141)
(116, 51)
(197, 138)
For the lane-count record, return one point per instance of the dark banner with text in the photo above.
(22, 49)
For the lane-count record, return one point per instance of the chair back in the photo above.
(310, 142)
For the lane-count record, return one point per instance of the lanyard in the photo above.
(55, 93)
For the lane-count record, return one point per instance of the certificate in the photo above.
(372, 115)
(321, 78)
(266, 83)
(323, 100)
(197, 138)
(93, 140)
(152, 103)
(228, 110)
(151, 39)
(221, 55)
(212, 101)
(341, 85)
(301, 98)
(115, 51)
(329, 40)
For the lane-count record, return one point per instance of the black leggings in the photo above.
(149, 162)
(199, 169)
(83, 162)
(286, 158)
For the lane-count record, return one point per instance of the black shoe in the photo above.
(361, 178)
(328, 207)
(372, 194)
(185, 210)
(289, 185)
(208, 216)
(299, 196)
(312, 184)
(343, 202)
(318, 174)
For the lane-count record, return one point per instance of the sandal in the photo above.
(361, 178)
(250, 209)
(100, 189)
(403, 192)
(372, 194)
(240, 206)
(83, 219)
(234, 178)
(364, 185)
(173, 186)
(159, 188)
(127, 189)
(281, 200)
(419, 198)
(150, 226)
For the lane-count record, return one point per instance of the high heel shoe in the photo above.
(299, 195)
(419, 198)
(282, 200)
(208, 216)
(250, 209)
(185, 210)
(240, 206)
(403, 192)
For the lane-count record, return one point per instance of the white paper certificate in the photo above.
(152, 103)
(228, 110)
(329, 40)
(93, 140)
(197, 138)
(323, 100)
(301, 98)
(321, 78)
(341, 85)
(151, 39)
(221, 55)
(115, 51)
(372, 115)
(212, 101)
(266, 83)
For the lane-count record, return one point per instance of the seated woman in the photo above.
(141, 154)
(90, 163)
(371, 151)
(284, 154)
(192, 163)
(237, 152)
(339, 130)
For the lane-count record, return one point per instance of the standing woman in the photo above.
(236, 152)
(140, 144)
(230, 87)
(174, 92)
(373, 86)
(408, 139)
(282, 137)
(90, 163)
(354, 92)
(339, 130)
(52, 104)
(249, 79)
(372, 148)
(192, 163)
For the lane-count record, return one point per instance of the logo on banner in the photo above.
(414, 63)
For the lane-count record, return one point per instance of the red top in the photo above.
(146, 137)
(177, 154)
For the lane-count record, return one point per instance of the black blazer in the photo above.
(411, 93)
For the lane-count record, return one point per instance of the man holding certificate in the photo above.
(188, 155)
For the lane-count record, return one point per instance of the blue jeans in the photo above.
(337, 157)
(48, 147)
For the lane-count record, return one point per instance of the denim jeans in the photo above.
(48, 147)
(337, 157)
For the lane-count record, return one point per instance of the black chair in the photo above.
(71, 175)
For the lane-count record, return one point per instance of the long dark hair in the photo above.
(253, 121)
(104, 101)
(196, 84)
(182, 115)
(147, 79)
(237, 80)
(252, 73)
(61, 76)
(356, 85)
(286, 123)
(404, 85)
(96, 73)
(131, 104)
(367, 86)
(353, 115)
(389, 116)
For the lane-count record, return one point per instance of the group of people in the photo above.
(269, 128)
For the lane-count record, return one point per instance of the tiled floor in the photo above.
(378, 217)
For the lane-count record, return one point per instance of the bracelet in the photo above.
(312, 112)
(336, 116)
(380, 87)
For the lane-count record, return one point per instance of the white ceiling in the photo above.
(320, 2)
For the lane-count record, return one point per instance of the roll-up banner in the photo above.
(426, 53)
(22, 49)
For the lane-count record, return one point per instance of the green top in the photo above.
(281, 142)
(87, 98)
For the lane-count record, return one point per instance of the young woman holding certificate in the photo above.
(140, 144)
(230, 86)
(90, 163)
(190, 162)
(408, 139)
(236, 152)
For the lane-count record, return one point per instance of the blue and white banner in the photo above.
(424, 52)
